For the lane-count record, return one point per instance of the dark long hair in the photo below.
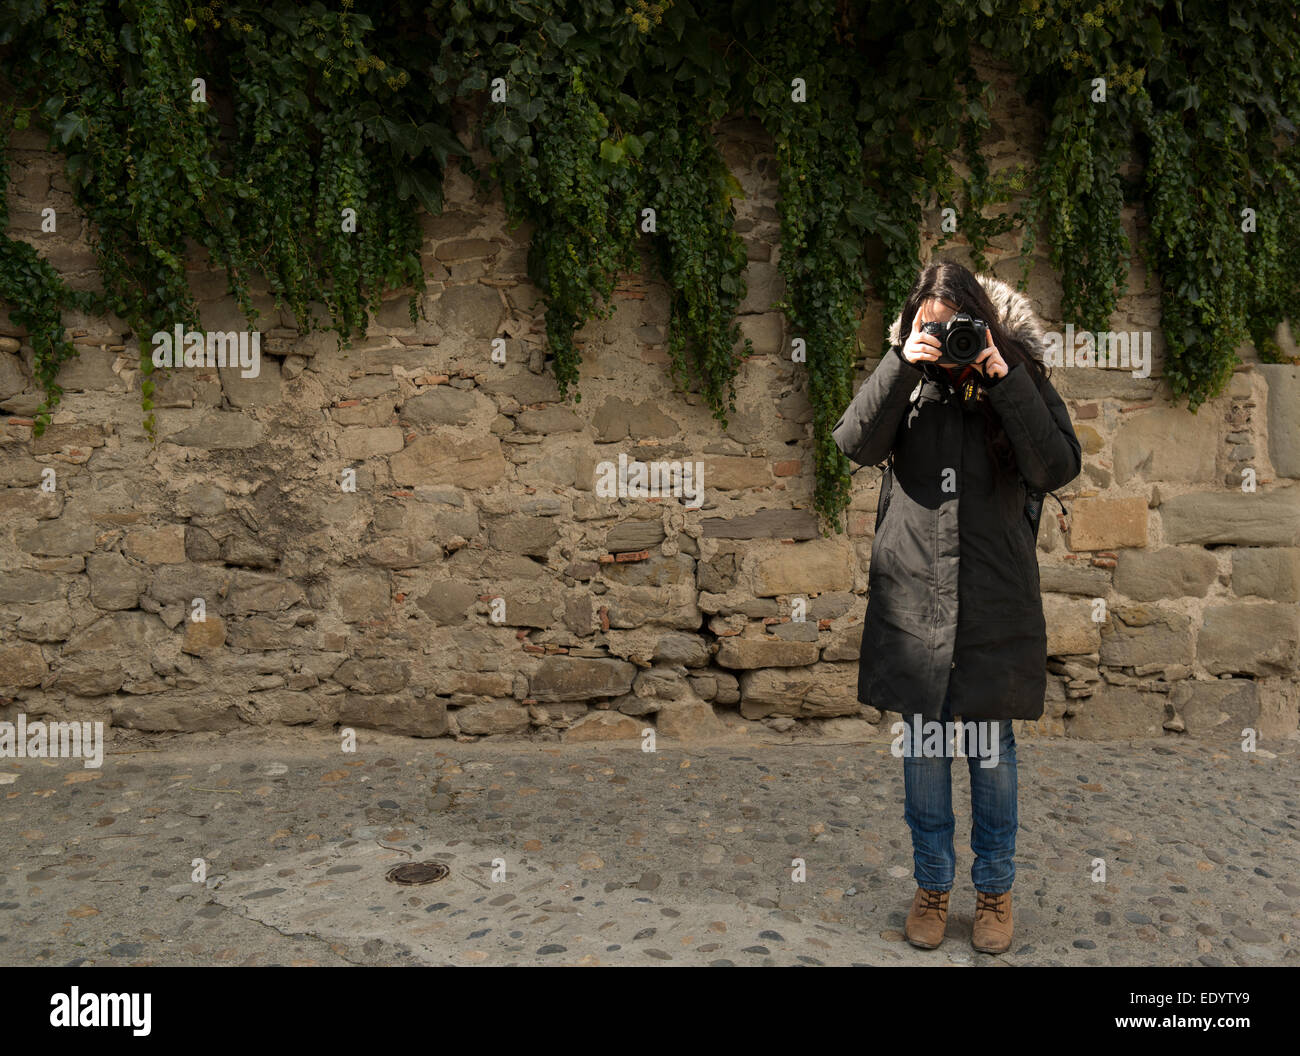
(957, 287)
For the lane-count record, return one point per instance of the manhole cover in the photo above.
(411, 873)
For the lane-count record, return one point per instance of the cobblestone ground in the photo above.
(615, 856)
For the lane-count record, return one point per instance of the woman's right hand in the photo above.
(920, 346)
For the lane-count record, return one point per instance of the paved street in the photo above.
(615, 856)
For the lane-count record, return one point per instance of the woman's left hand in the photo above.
(990, 362)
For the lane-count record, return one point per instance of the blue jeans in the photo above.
(927, 784)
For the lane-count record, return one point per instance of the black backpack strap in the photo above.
(1034, 506)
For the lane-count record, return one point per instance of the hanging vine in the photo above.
(795, 92)
(36, 292)
(697, 252)
(132, 94)
(1215, 133)
(296, 144)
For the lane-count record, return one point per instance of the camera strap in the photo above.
(969, 387)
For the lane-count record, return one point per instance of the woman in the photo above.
(954, 623)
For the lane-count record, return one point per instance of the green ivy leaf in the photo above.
(69, 127)
(427, 191)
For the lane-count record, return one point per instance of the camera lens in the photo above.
(962, 345)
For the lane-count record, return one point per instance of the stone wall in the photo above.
(376, 607)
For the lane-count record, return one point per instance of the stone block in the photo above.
(59, 538)
(1283, 416)
(802, 568)
(444, 405)
(115, 583)
(360, 442)
(1255, 638)
(221, 431)
(449, 601)
(688, 650)
(180, 712)
(1170, 572)
(559, 678)
(604, 726)
(672, 606)
(22, 665)
(635, 534)
(765, 524)
(655, 571)
(819, 690)
(1071, 630)
(1267, 572)
(362, 594)
(549, 421)
(1117, 713)
(492, 717)
(519, 534)
(204, 637)
(410, 716)
(1091, 383)
(469, 310)
(736, 473)
(1108, 524)
(91, 370)
(157, 546)
(1073, 578)
(750, 653)
(374, 676)
(29, 502)
(1136, 635)
(469, 462)
(23, 587)
(254, 592)
(265, 390)
(1166, 443)
(692, 721)
(618, 419)
(1223, 705)
(1262, 518)
(14, 377)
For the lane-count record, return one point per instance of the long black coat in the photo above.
(953, 584)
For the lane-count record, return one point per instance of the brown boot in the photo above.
(927, 918)
(993, 924)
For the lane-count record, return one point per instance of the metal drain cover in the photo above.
(410, 874)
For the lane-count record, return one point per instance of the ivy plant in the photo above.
(297, 144)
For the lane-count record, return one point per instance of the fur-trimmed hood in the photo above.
(1017, 316)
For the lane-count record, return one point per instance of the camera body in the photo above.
(961, 339)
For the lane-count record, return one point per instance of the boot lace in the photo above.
(990, 903)
(932, 899)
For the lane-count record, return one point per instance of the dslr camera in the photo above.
(961, 339)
